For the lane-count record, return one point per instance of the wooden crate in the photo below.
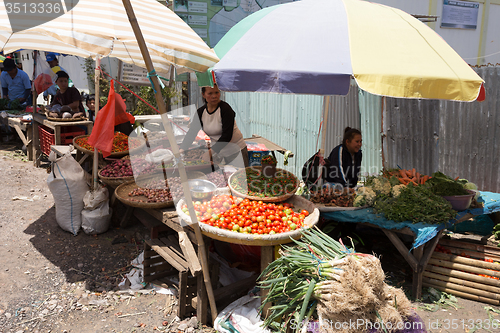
(467, 270)
(163, 258)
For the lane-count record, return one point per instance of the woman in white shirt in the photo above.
(217, 120)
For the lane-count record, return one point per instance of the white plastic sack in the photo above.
(68, 187)
(96, 221)
(160, 155)
(94, 199)
(241, 316)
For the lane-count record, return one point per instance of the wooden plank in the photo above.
(202, 306)
(21, 135)
(158, 214)
(170, 256)
(462, 294)
(403, 250)
(227, 291)
(463, 275)
(189, 253)
(471, 246)
(266, 257)
(462, 282)
(464, 289)
(417, 274)
(159, 275)
(175, 248)
(462, 267)
(181, 311)
(466, 261)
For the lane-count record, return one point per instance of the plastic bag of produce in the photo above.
(96, 213)
(68, 187)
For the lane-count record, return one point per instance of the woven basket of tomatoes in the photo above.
(251, 222)
(120, 145)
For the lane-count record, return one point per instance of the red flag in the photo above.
(113, 113)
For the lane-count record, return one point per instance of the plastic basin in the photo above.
(461, 202)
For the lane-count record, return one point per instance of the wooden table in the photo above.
(417, 258)
(39, 119)
(169, 218)
(21, 127)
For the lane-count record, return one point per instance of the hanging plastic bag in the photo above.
(68, 187)
(96, 213)
(42, 83)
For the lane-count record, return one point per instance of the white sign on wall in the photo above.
(132, 74)
(459, 14)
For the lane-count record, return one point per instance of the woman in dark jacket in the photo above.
(345, 160)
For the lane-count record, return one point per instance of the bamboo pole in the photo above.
(461, 294)
(462, 282)
(175, 150)
(465, 290)
(95, 166)
(462, 267)
(462, 275)
(470, 246)
(466, 261)
(326, 107)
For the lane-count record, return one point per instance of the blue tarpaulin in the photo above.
(423, 231)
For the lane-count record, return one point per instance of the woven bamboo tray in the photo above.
(90, 152)
(64, 119)
(263, 199)
(256, 239)
(114, 181)
(124, 189)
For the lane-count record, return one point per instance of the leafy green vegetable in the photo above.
(415, 204)
(444, 185)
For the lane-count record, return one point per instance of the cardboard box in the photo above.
(255, 157)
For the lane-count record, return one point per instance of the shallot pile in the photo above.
(218, 179)
(159, 190)
(118, 169)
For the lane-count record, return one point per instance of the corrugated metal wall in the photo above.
(343, 111)
(469, 138)
(291, 121)
(370, 109)
(410, 132)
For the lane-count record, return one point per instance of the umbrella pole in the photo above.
(96, 151)
(175, 150)
(326, 107)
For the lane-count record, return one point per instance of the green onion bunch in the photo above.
(302, 271)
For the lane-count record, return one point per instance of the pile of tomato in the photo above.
(249, 216)
(443, 249)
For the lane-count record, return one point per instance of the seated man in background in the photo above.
(16, 85)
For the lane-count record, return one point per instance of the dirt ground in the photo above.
(52, 281)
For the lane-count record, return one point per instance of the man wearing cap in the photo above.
(51, 58)
(15, 82)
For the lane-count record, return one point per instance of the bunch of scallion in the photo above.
(301, 271)
(320, 278)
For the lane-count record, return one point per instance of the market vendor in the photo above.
(217, 120)
(345, 160)
(15, 82)
(68, 96)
